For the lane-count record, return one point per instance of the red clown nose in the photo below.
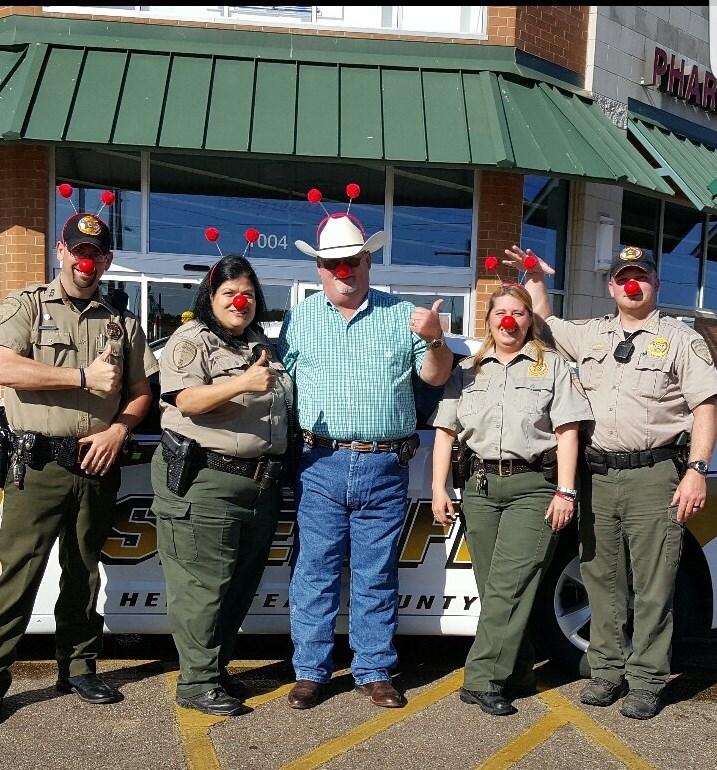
(632, 287)
(240, 301)
(508, 323)
(342, 271)
(86, 265)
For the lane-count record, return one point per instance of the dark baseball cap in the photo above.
(632, 256)
(87, 228)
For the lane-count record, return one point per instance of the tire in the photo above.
(560, 622)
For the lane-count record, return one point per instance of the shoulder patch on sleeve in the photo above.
(184, 353)
(8, 308)
(700, 349)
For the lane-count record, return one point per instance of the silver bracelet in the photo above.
(567, 491)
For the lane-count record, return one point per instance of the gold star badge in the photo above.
(630, 253)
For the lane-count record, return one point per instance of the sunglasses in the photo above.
(332, 264)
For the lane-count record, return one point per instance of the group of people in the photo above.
(332, 407)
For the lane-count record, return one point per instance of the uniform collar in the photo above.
(528, 351)
(650, 324)
(55, 292)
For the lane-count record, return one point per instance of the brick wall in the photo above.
(500, 219)
(23, 215)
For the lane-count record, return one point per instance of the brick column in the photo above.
(23, 215)
(500, 216)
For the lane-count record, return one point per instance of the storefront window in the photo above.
(432, 215)
(166, 303)
(124, 295)
(681, 254)
(545, 223)
(451, 311)
(189, 193)
(92, 171)
(640, 222)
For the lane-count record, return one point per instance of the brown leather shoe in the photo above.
(382, 694)
(304, 694)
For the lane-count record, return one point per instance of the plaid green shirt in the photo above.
(353, 378)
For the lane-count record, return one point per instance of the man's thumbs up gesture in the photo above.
(101, 375)
(426, 323)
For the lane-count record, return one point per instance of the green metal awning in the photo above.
(371, 109)
(691, 166)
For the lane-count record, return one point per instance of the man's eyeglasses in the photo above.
(332, 264)
(96, 257)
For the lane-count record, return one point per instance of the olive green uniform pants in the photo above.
(79, 509)
(214, 543)
(627, 523)
(511, 546)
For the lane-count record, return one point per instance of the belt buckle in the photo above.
(355, 446)
(510, 468)
(622, 460)
(308, 438)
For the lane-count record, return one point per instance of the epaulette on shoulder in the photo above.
(193, 329)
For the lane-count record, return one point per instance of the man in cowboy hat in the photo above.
(650, 379)
(352, 351)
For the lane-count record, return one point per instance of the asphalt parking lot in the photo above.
(43, 729)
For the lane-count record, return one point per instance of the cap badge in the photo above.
(89, 226)
(630, 253)
(537, 369)
(659, 347)
(114, 330)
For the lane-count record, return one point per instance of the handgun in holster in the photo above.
(549, 465)
(460, 464)
(25, 454)
(178, 452)
(272, 475)
(596, 461)
(682, 442)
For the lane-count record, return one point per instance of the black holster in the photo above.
(460, 464)
(178, 452)
(549, 465)
(596, 461)
(272, 475)
(408, 449)
(682, 442)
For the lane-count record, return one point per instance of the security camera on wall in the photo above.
(603, 244)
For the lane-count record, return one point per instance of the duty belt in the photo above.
(41, 449)
(238, 466)
(311, 439)
(505, 467)
(625, 460)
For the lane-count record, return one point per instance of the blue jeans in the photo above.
(357, 501)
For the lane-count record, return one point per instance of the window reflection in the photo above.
(640, 222)
(92, 171)
(451, 311)
(545, 223)
(124, 295)
(681, 252)
(709, 292)
(432, 215)
(187, 194)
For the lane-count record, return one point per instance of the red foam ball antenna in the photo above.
(353, 190)
(530, 262)
(86, 265)
(632, 287)
(508, 323)
(314, 195)
(107, 197)
(491, 263)
(65, 190)
(211, 234)
(240, 301)
(252, 235)
(342, 271)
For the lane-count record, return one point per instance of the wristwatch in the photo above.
(439, 342)
(700, 466)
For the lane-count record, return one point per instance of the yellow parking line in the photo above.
(343, 743)
(525, 743)
(564, 708)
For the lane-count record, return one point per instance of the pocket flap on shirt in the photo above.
(46, 337)
(478, 384)
(535, 383)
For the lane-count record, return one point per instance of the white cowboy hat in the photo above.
(341, 238)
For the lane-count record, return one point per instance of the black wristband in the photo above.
(83, 379)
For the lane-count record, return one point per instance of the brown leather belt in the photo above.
(311, 439)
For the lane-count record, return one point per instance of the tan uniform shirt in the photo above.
(251, 424)
(41, 323)
(510, 411)
(648, 401)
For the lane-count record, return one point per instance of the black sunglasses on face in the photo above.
(332, 264)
